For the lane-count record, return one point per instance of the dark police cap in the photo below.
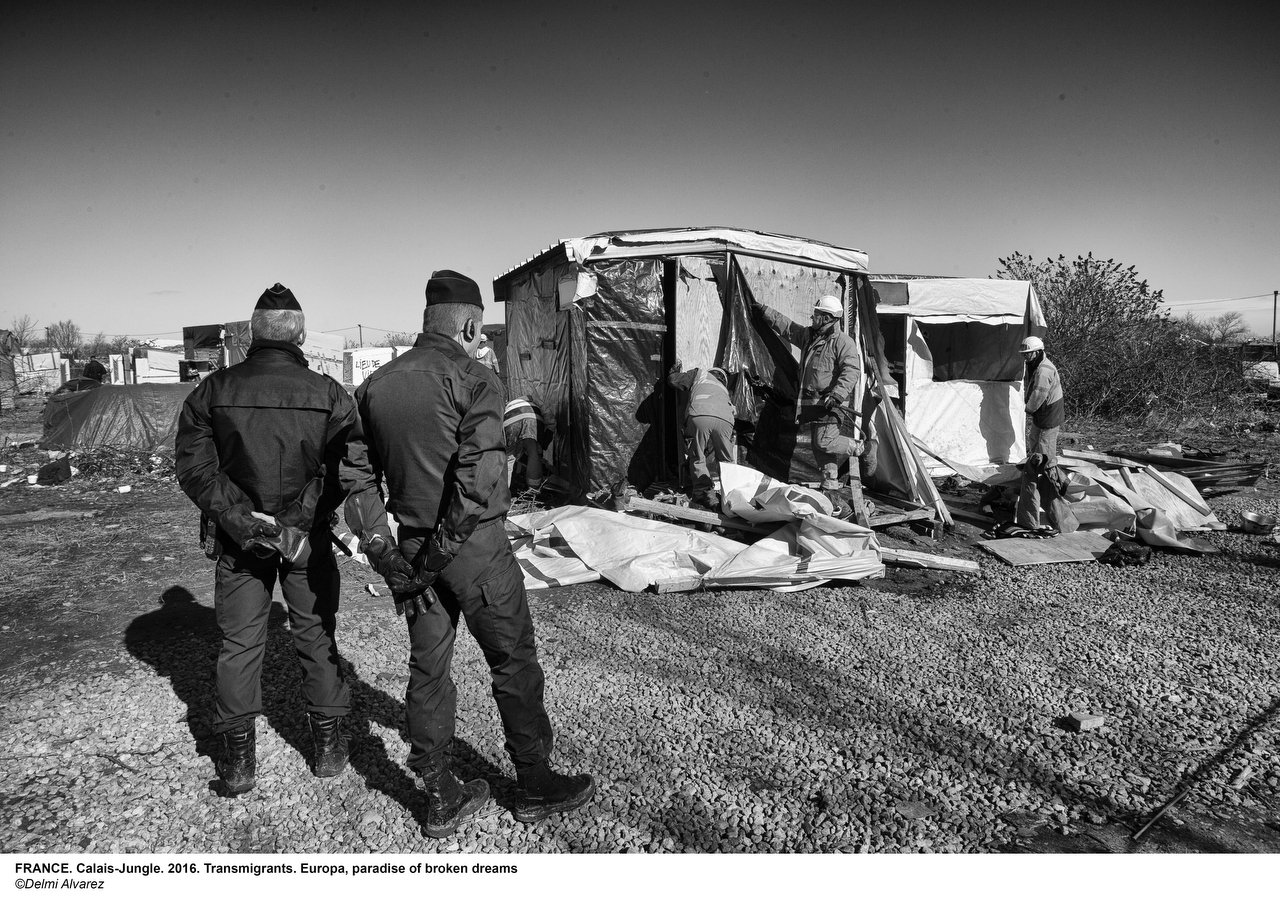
(278, 297)
(450, 287)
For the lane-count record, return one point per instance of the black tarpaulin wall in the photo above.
(625, 330)
(539, 348)
(141, 417)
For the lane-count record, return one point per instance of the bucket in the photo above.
(1257, 523)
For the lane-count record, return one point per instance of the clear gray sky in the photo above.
(164, 162)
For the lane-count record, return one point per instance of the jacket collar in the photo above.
(267, 344)
(439, 340)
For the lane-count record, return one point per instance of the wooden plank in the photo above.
(42, 515)
(699, 314)
(1093, 457)
(645, 506)
(1080, 546)
(1194, 500)
(886, 520)
(908, 559)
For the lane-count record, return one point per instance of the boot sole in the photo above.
(232, 790)
(532, 813)
(443, 831)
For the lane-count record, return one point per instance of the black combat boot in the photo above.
(239, 759)
(840, 508)
(449, 802)
(544, 792)
(330, 744)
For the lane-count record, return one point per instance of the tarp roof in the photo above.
(978, 298)
(615, 244)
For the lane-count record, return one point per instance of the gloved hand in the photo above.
(387, 560)
(829, 402)
(244, 525)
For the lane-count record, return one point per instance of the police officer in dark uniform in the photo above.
(430, 428)
(258, 450)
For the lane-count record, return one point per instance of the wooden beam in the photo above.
(887, 520)
(1193, 499)
(1093, 457)
(645, 506)
(908, 559)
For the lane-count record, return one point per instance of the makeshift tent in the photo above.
(142, 416)
(594, 325)
(952, 346)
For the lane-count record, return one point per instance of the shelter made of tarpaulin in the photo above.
(952, 346)
(594, 325)
(143, 416)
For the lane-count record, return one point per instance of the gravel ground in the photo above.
(921, 713)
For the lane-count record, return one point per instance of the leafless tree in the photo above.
(63, 336)
(24, 330)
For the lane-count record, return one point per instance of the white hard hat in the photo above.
(829, 305)
(484, 337)
(1031, 343)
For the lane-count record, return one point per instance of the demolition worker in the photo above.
(485, 353)
(830, 372)
(526, 434)
(708, 426)
(259, 447)
(1046, 412)
(430, 426)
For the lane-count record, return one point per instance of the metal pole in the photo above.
(1274, 295)
(361, 328)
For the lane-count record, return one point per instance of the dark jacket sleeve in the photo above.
(199, 472)
(360, 475)
(791, 331)
(481, 463)
(342, 420)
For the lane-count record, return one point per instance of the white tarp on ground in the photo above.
(569, 545)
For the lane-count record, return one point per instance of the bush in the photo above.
(1121, 355)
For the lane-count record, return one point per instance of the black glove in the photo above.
(240, 524)
(395, 569)
(830, 402)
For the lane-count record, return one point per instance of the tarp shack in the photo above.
(594, 324)
(140, 417)
(952, 346)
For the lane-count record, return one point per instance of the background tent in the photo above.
(952, 346)
(141, 417)
(594, 325)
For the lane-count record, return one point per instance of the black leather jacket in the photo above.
(254, 435)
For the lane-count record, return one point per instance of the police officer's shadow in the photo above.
(181, 640)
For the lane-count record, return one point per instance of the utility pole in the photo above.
(1275, 294)
(361, 328)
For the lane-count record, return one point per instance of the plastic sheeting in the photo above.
(971, 298)
(630, 243)
(625, 333)
(141, 417)
(541, 355)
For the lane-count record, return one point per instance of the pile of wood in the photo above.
(1207, 475)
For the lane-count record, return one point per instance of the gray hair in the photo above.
(278, 325)
(448, 318)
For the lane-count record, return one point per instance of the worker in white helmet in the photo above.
(830, 384)
(486, 355)
(708, 428)
(1045, 413)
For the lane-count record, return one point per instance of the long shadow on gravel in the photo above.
(181, 640)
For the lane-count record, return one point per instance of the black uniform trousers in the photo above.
(243, 588)
(484, 585)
